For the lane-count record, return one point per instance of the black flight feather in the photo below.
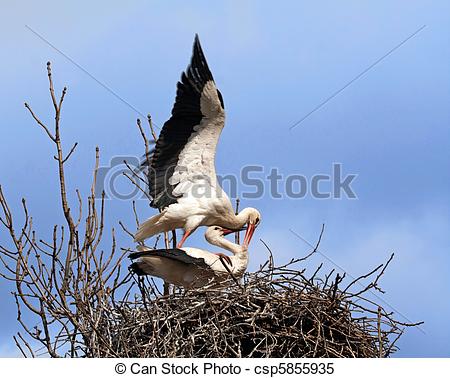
(173, 254)
(186, 114)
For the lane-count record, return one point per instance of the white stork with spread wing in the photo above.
(193, 267)
(181, 169)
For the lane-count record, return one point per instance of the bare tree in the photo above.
(64, 282)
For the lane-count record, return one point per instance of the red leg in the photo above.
(225, 257)
(185, 236)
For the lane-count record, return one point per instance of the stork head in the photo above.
(254, 216)
(213, 233)
(253, 221)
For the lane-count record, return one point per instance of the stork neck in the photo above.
(234, 248)
(239, 220)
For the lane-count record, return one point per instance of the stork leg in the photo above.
(183, 239)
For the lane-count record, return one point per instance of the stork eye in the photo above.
(216, 228)
(257, 220)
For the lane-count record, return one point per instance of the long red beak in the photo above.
(248, 235)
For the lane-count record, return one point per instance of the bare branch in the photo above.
(70, 152)
(40, 123)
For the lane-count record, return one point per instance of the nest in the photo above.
(274, 312)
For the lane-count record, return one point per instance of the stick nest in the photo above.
(274, 312)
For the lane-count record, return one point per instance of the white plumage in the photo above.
(181, 170)
(193, 267)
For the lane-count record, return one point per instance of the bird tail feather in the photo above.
(150, 227)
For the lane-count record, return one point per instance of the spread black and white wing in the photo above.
(184, 153)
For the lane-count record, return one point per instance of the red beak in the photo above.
(248, 235)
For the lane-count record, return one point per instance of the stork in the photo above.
(181, 169)
(193, 267)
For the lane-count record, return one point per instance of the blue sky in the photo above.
(273, 65)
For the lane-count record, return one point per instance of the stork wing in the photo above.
(186, 146)
(174, 254)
